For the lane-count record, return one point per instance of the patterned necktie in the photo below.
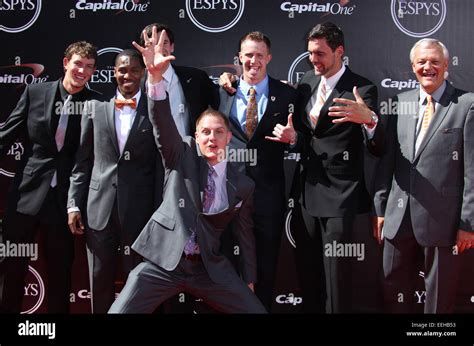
(129, 102)
(61, 133)
(427, 116)
(251, 119)
(192, 246)
(321, 99)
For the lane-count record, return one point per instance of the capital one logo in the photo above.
(103, 78)
(22, 74)
(18, 15)
(118, 5)
(215, 15)
(34, 292)
(298, 68)
(418, 18)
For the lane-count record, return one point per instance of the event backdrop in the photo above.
(379, 35)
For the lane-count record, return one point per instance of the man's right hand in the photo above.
(377, 225)
(75, 222)
(225, 81)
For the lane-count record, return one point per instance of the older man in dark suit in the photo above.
(424, 187)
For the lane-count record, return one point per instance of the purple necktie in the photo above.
(192, 246)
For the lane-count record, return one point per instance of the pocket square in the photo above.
(238, 205)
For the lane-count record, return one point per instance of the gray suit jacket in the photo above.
(438, 181)
(163, 239)
(103, 175)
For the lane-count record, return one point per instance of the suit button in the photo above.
(114, 185)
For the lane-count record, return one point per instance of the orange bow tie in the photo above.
(130, 102)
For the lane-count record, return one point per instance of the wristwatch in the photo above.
(374, 120)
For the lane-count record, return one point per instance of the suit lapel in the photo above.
(231, 184)
(110, 119)
(273, 98)
(313, 83)
(227, 100)
(439, 115)
(407, 120)
(49, 98)
(203, 171)
(142, 111)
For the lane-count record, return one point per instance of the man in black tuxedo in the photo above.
(257, 110)
(116, 172)
(45, 116)
(337, 120)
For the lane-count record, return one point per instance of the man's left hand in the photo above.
(351, 111)
(284, 134)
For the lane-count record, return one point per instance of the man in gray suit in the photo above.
(203, 194)
(116, 171)
(424, 187)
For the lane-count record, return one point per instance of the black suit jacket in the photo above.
(333, 183)
(33, 119)
(199, 92)
(267, 173)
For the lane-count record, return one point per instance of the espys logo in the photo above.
(18, 15)
(298, 68)
(103, 77)
(22, 74)
(117, 5)
(34, 292)
(215, 15)
(418, 18)
(336, 8)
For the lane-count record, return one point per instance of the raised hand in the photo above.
(351, 111)
(153, 54)
(284, 134)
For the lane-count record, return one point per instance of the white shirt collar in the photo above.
(137, 96)
(332, 81)
(220, 168)
(169, 73)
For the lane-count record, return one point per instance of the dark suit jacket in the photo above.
(32, 118)
(438, 181)
(333, 155)
(199, 92)
(268, 173)
(163, 239)
(105, 175)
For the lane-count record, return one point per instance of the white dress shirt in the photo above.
(124, 119)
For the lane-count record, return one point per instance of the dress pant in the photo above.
(268, 230)
(403, 258)
(337, 269)
(149, 285)
(57, 249)
(104, 248)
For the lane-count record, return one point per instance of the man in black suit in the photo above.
(190, 90)
(46, 115)
(203, 194)
(116, 171)
(256, 112)
(337, 120)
